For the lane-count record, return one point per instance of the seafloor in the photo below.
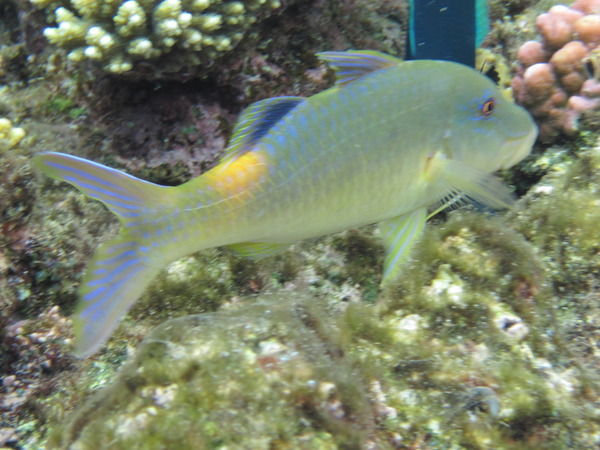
(487, 341)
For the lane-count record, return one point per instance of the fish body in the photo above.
(389, 140)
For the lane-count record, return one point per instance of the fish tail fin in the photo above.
(126, 196)
(121, 268)
(115, 278)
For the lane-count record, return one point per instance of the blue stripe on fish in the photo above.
(124, 265)
(115, 204)
(123, 194)
(91, 187)
(256, 121)
(99, 306)
(399, 236)
(350, 66)
(116, 258)
(120, 246)
(84, 174)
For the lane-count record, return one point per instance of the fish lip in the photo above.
(524, 144)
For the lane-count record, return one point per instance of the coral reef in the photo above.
(151, 38)
(10, 136)
(489, 340)
(559, 77)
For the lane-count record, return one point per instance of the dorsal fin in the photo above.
(256, 121)
(351, 65)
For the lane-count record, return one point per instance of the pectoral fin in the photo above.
(467, 184)
(399, 235)
(479, 185)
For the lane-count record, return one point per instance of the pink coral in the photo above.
(532, 52)
(539, 83)
(555, 29)
(554, 81)
(588, 29)
(587, 6)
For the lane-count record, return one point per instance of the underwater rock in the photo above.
(32, 354)
(560, 216)
(486, 341)
(482, 308)
(263, 376)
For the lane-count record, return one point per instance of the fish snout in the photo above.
(517, 147)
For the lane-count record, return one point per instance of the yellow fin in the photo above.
(122, 267)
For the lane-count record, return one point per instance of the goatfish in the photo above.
(389, 140)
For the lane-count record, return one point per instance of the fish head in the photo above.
(484, 129)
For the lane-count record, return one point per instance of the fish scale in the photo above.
(388, 141)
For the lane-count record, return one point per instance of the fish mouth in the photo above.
(518, 147)
(519, 142)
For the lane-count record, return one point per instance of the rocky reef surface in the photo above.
(488, 340)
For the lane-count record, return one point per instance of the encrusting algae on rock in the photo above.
(297, 168)
(205, 380)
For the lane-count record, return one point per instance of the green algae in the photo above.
(64, 105)
(267, 374)
(486, 272)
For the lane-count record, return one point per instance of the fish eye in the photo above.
(488, 107)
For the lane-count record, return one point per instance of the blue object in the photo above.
(449, 30)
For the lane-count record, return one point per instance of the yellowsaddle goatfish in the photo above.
(389, 140)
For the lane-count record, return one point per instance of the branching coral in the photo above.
(151, 37)
(558, 78)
